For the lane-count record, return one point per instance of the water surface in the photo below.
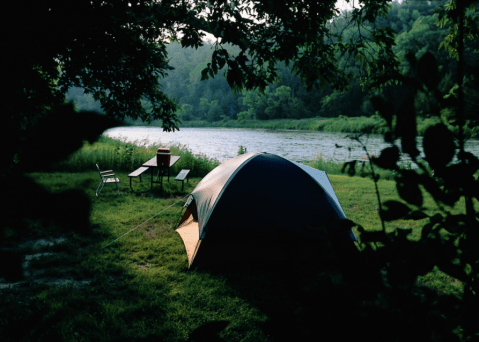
(223, 143)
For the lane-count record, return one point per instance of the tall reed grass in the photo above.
(120, 155)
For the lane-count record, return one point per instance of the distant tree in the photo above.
(186, 112)
(404, 15)
(245, 115)
(256, 104)
(203, 108)
(214, 112)
(423, 36)
(297, 109)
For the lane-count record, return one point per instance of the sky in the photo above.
(343, 5)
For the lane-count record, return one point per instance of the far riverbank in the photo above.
(342, 124)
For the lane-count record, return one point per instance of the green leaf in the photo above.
(411, 58)
(406, 127)
(384, 107)
(408, 188)
(416, 215)
(388, 158)
(350, 168)
(394, 211)
(439, 146)
(428, 71)
(204, 74)
(231, 77)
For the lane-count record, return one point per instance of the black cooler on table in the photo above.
(163, 157)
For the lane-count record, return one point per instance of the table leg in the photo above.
(151, 178)
(161, 179)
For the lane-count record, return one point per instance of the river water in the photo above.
(223, 143)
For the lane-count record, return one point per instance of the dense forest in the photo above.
(212, 100)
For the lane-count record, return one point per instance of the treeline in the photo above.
(212, 100)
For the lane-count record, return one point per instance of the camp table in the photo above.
(153, 165)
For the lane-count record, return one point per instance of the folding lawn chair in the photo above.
(107, 177)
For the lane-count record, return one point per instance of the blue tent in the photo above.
(259, 207)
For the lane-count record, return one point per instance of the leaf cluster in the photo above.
(450, 16)
(443, 169)
(296, 33)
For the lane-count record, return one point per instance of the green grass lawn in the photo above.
(139, 286)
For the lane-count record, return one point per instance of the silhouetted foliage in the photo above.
(190, 82)
(446, 171)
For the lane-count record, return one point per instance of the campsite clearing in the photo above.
(140, 285)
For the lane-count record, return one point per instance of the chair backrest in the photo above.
(99, 171)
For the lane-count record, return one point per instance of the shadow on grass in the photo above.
(340, 297)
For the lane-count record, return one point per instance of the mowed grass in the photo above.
(139, 286)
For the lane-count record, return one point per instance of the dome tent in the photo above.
(258, 207)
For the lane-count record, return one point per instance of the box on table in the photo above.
(163, 156)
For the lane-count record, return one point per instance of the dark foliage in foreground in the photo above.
(448, 173)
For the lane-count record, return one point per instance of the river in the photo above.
(223, 143)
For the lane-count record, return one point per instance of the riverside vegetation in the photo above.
(139, 288)
(373, 124)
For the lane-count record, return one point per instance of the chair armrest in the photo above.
(106, 171)
(109, 175)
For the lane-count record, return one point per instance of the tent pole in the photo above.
(181, 215)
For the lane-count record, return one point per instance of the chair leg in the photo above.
(100, 186)
(118, 188)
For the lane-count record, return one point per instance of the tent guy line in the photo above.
(146, 221)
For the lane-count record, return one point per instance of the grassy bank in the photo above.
(139, 288)
(372, 124)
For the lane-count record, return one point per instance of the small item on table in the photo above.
(163, 156)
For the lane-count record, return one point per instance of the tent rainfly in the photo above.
(258, 207)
